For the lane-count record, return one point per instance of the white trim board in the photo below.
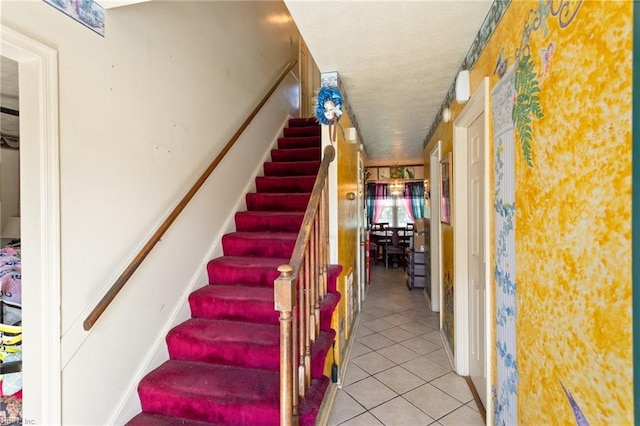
(40, 207)
(478, 104)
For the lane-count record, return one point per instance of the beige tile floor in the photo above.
(398, 372)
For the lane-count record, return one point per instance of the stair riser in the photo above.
(233, 311)
(290, 132)
(209, 303)
(199, 341)
(273, 202)
(301, 154)
(301, 142)
(229, 275)
(285, 184)
(252, 311)
(303, 122)
(300, 168)
(239, 355)
(248, 222)
(257, 248)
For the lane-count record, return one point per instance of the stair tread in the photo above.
(285, 236)
(148, 419)
(236, 293)
(217, 394)
(201, 378)
(246, 261)
(215, 331)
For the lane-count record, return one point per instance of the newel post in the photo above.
(285, 300)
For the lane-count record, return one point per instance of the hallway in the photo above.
(399, 372)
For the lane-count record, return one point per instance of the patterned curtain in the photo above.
(376, 192)
(415, 192)
(370, 201)
(405, 202)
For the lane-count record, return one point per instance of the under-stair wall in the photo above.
(142, 111)
(129, 405)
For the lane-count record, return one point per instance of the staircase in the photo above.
(225, 360)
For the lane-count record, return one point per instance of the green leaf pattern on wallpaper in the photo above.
(527, 106)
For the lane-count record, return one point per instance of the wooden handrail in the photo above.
(155, 238)
(298, 291)
(312, 207)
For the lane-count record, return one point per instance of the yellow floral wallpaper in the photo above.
(572, 208)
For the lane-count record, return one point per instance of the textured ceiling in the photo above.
(396, 61)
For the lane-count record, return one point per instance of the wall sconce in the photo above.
(351, 196)
(446, 115)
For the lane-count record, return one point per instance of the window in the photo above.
(393, 213)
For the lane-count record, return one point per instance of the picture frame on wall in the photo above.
(396, 172)
(383, 173)
(409, 172)
(373, 173)
(445, 185)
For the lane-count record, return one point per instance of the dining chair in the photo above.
(393, 248)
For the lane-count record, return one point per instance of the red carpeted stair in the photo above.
(224, 361)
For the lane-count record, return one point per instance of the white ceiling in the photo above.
(396, 61)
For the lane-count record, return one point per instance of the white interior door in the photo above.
(434, 231)
(476, 256)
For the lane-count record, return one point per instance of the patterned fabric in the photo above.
(10, 411)
(11, 283)
(11, 320)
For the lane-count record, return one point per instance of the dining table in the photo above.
(396, 239)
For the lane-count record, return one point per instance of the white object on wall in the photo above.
(351, 135)
(462, 87)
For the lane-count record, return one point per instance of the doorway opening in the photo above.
(40, 224)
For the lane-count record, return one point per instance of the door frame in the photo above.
(40, 209)
(435, 238)
(362, 233)
(478, 104)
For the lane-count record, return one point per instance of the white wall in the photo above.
(9, 184)
(142, 112)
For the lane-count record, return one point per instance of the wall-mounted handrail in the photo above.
(155, 238)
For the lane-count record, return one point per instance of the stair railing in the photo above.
(298, 292)
(155, 238)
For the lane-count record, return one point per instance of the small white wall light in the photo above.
(351, 134)
(446, 115)
(462, 87)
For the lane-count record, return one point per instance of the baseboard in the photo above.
(476, 398)
(447, 349)
(330, 396)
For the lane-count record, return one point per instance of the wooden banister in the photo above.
(298, 291)
(155, 238)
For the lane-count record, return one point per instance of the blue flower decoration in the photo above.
(329, 105)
